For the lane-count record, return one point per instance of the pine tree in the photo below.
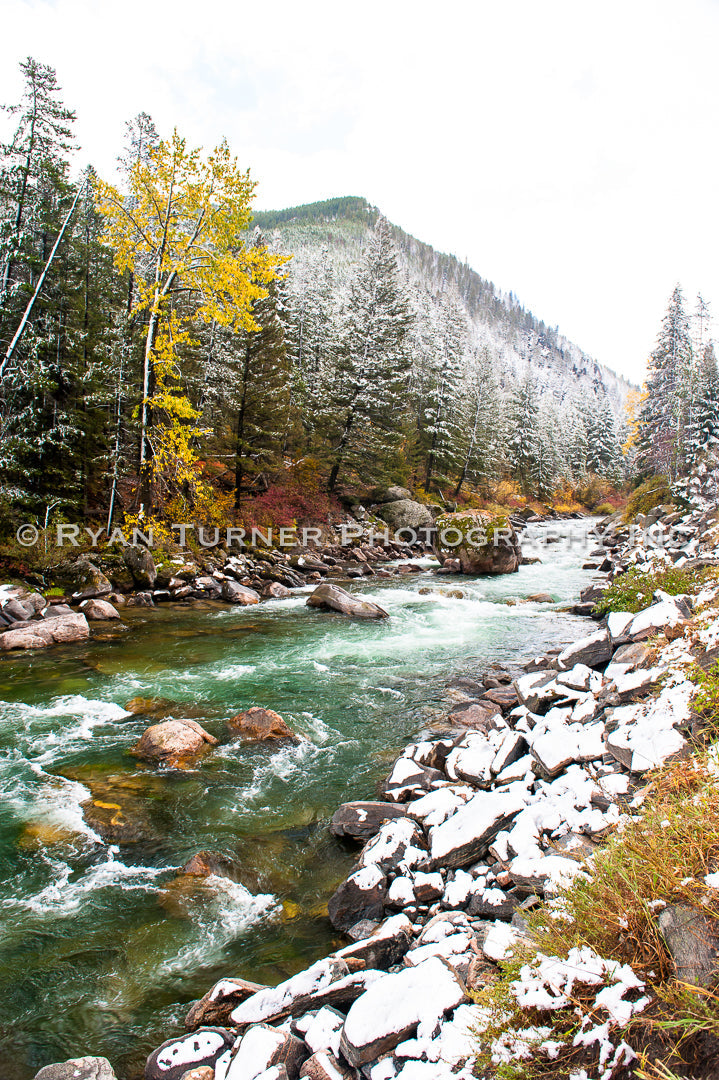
(373, 365)
(33, 178)
(663, 413)
(248, 382)
(482, 435)
(443, 404)
(523, 423)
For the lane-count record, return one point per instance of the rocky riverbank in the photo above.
(476, 829)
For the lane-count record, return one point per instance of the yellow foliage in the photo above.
(180, 225)
(635, 400)
(181, 222)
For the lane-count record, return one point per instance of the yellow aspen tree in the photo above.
(180, 225)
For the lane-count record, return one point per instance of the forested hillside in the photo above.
(165, 352)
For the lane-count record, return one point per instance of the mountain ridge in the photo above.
(500, 321)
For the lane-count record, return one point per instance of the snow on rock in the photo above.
(360, 897)
(501, 941)
(325, 1066)
(278, 1001)
(645, 734)
(538, 689)
(665, 613)
(618, 622)
(629, 684)
(548, 983)
(537, 873)
(555, 744)
(323, 1031)
(385, 947)
(401, 892)
(464, 837)
(177, 1056)
(408, 779)
(593, 651)
(436, 807)
(399, 845)
(261, 1048)
(580, 677)
(397, 1006)
(458, 891)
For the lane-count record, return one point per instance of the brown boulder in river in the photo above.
(176, 743)
(336, 599)
(262, 725)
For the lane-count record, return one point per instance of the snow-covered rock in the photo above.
(261, 1048)
(397, 1006)
(399, 845)
(464, 837)
(177, 1056)
(593, 651)
(361, 896)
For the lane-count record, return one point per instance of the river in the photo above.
(97, 956)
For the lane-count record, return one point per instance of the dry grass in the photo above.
(662, 855)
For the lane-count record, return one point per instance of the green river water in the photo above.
(95, 956)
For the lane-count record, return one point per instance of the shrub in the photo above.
(633, 591)
(652, 492)
(604, 509)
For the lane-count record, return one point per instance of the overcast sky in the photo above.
(568, 150)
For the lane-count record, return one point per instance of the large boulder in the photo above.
(406, 514)
(391, 494)
(392, 1008)
(260, 725)
(334, 598)
(141, 565)
(83, 579)
(482, 542)
(62, 629)
(235, 593)
(84, 1068)
(101, 610)
(175, 743)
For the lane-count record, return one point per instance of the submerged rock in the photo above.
(260, 725)
(175, 743)
(336, 599)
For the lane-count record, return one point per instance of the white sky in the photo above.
(566, 148)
